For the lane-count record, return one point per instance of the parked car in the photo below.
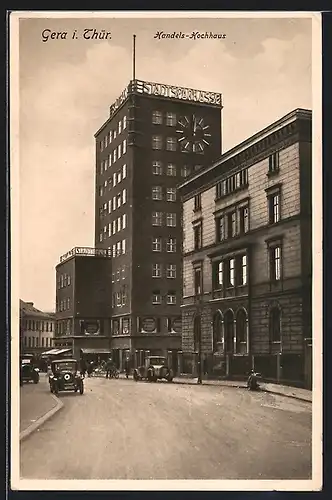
(65, 376)
(28, 371)
(154, 368)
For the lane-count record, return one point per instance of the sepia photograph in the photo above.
(166, 250)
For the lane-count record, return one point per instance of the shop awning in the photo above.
(95, 351)
(55, 352)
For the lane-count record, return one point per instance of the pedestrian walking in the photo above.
(109, 368)
(127, 367)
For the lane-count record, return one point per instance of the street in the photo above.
(121, 429)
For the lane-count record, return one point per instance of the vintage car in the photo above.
(154, 368)
(65, 376)
(28, 371)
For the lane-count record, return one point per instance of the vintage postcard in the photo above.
(166, 250)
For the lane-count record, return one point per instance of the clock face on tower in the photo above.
(194, 134)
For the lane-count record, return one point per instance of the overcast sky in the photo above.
(262, 68)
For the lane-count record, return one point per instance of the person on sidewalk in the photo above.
(127, 367)
(83, 367)
(109, 368)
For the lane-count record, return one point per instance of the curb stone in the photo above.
(40, 421)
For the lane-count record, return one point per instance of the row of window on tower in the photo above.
(119, 299)
(119, 274)
(114, 203)
(159, 299)
(159, 271)
(158, 219)
(160, 118)
(113, 156)
(118, 248)
(171, 169)
(117, 225)
(112, 134)
(160, 193)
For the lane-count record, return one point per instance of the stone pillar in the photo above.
(234, 337)
(180, 363)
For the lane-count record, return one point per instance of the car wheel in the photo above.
(81, 389)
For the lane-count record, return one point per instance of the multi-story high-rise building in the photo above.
(248, 258)
(36, 329)
(154, 137)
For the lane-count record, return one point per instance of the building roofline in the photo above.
(298, 113)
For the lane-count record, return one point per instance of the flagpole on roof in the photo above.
(134, 57)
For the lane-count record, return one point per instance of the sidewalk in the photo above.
(37, 404)
(282, 390)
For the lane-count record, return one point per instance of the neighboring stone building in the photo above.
(247, 257)
(36, 329)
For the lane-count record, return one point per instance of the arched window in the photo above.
(197, 332)
(229, 331)
(241, 331)
(275, 324)
(217, 330)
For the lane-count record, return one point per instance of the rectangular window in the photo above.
(118, 248)
(231, 272)
(171, 219)
(118, 299)
(101, 190)
(171, 271)
(114, 227)
(171, 298)
(220, 228)
(109, 206)
(198, 281)
(101, 145)
(156, 270)
(156, 244)
(114, 134)
(274, 162)
(198, 236)
(220, 274)
(101, 168)
(124, 196)
(197, 202)
(243, 270)
(119, 151)
(156, 297)
(124, 171)
(171, 245)
(120, 127)
(114, 203)
(119, 224)
(124, 122)
(113, 251)
(113, 277)
(109, 229)
(171, 144)
(157, 193)
(157, 142)
(275, 263)
(124, 221)
(114, 179)
(157, 218)
(274, 208)
(110, 159)
(185, 171)
(231, 224)
(123, 246)
(118, 200)
(171, 194)
(109, 183)
(123, 272)
(157, 117)
(114, 155)
(118, 275)
(106, 141)
(110, 136)
(100, 236)
(171, 169)
(157, 168)
(124, 147)
(244, 219)
(119, 178)
(171, 119)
